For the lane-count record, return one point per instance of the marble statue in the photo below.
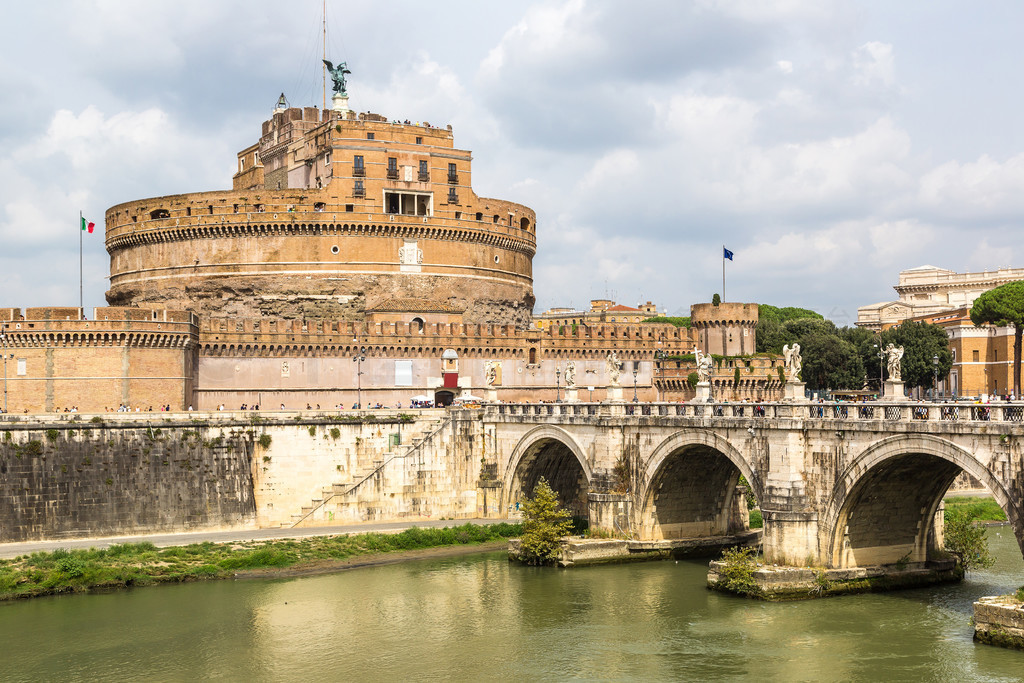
(704, 363)
(794, 362)
(570, 375)
(893, 364)
(490, 373)
(614, 366)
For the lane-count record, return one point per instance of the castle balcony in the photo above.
(453, 178)
(424, 176)
(359, 171)
(392, 174)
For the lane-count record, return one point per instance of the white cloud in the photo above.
(874, 62)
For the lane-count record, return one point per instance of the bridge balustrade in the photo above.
(981, 413)
(951, 413)
(893, 413)
(1013, 413)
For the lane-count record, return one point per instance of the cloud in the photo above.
(874, 63)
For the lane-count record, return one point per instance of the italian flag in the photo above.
(87, 226)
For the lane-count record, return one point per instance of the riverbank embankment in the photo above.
(142, 564)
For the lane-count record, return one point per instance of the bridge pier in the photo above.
(609, 512)
(790, 538)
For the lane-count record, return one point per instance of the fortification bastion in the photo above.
(330, 215)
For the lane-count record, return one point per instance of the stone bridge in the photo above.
(839, 485)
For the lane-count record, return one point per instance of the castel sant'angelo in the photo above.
(351, 260)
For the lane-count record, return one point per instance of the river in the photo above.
(480, 618)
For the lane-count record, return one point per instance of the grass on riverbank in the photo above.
(141, 564)
(978, 509)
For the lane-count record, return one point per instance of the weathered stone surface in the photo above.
(999, 621)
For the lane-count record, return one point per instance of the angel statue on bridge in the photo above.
(704, 363)
(794, 362)
(338, 76)
(893, 358)
(614, 366)
(570, 375)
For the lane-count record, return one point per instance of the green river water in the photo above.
(479, 618)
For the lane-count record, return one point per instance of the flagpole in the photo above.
(81, 297)
(723, 272)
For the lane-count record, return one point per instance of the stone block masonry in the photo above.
(60, 480)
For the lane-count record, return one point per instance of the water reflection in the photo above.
(478, 617)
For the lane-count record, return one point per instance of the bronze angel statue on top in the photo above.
(338, 75)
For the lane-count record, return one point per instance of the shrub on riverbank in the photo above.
(140, 564)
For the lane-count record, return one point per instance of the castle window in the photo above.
(453, 196)
(458, 215)
(495, 218)
(419, 140)
(327, 158)
(424, 171)
(319, 206)
(235, 206)
(533, 357)
(188, 210)
(210, 207)
(524, 223)
(369, 136)
(349, 208)
(159, 213)
(392, 168)
(416, 325)
(258, 208)
(408, 203)
(479, 216)
(358, 190)
(453, 174)
(358, 169)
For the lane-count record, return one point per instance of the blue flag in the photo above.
(726, 253)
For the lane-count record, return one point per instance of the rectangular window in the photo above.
(327, 158)
(358, 169)
(419, 140)
(358, 190)
(975, 355)
(407, 203)
(392, 168)
(349, 208)
(453, 196)
(403, 373)
(369, 136)
(453, 174)
(424, 171)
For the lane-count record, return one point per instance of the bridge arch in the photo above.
(553, 453)
(689, 487)
(883, 506)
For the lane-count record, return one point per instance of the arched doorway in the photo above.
(443, 398)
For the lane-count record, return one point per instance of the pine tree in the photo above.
(545, 522)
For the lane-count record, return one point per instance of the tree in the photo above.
(965, 540)
(716, 300)
(545, 522)
(921, 342)
(1003, 305)
(830, 362)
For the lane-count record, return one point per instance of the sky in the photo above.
(829, 145)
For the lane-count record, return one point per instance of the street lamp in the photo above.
(881, 367)
(658, 356)
(358, 360)
(558, 384)
(636, 369)
(935, 373)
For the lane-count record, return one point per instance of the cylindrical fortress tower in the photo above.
(330, 215)
(726, 329)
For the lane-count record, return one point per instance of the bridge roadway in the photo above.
(840, 485)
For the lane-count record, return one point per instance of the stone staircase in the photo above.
(339, 501)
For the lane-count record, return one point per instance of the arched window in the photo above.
(533, 356)
(416, 325)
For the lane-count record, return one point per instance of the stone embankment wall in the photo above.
(128, 474)
(333, 472)
(82, 479)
